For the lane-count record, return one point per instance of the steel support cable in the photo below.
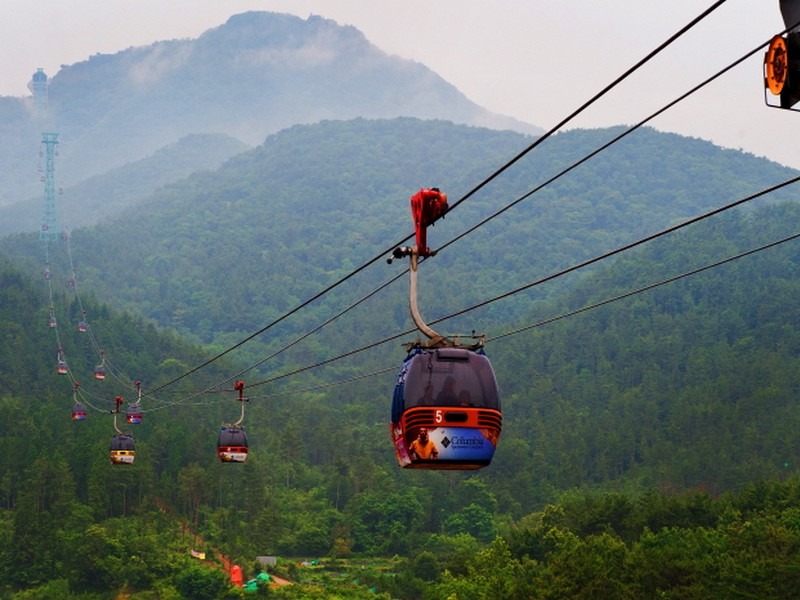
(52, 303)
(594, 153)
(61, 354)
(474, 190)
(109, 365)
(335, 358)
(605, 146)
(621, 249)
(74, 281)
(85, 399)
(545, 279)
(567, 314)
(82, 392)
(592, 100)
(214, 387)
(312, 331)
(54, 320)
(322, 386)
(48, 278)
(646, 288)
(528, 194)
(280, 319)
(546, 183)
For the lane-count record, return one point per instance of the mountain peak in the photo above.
(254, 75)
(264, 40)
(259, 29)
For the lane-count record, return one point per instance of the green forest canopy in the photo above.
(688, 386)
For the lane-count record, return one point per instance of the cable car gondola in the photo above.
(122, 450)
(100, 370)
(78, 411)
(61, 363)
(232, 440)
(133, 414)
(78, 408)
(446, 407)
(83, 324)
(232, 444)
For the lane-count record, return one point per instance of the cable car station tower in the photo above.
(38, 87)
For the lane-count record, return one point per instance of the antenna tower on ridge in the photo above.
(49, 226)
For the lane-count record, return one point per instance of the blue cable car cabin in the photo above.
(446, 410)
(78, 411)
(232, 444)
(122, 450)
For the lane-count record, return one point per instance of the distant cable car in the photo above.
(122, 450)
(78, 411)
(446, 407)
(52, 321)
(133, 414)
(100, 370)
(78, 408)
(61, 363)
(232, 440)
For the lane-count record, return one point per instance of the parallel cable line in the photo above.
(485, 182)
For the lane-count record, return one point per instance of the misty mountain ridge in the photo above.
(254, 75)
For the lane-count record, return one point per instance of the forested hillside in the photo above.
(218, 255)
(649, 446)
(688, 386)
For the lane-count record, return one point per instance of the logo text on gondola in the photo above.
(458, 441)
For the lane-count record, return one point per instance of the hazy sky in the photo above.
(536, 60)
